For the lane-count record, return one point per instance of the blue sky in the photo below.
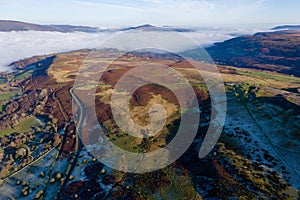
(156, 12)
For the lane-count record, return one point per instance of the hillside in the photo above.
(251, 159)
(8, 25)
(287, 27)
(272, 51)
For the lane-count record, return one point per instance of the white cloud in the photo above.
(19, 45)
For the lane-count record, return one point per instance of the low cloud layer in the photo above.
(18, 45)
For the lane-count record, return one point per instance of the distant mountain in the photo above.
(7, 26)
(287, 27)
(70, 28)
(141, 27)
(274, 51)
(148, 27)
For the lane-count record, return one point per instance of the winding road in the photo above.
(78, 146)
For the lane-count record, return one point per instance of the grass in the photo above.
(261, 78)
(65, 65)
(263, 180)
(264, 93)
(1, 108)
(23, 75)
(292, 100)
(265, 75)
(181, 187)
(126, 142)
(5, 96)
(3, 80)
(24, 126)
(167, 183)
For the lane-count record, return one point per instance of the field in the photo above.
(23, 127)
(269, 75)
(5, 96)
(24, 75)
(3, 80)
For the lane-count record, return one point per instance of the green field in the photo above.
(5, 96)
(1, 108)
(278, 77)
(23, 75)
(3, 80)
(22, 127)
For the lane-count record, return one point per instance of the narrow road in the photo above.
(36, 160)
(78, 143)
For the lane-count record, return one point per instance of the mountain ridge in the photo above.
(272, 51)
(287, 27)
(11, 25)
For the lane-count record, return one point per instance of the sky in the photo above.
(112, 13)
